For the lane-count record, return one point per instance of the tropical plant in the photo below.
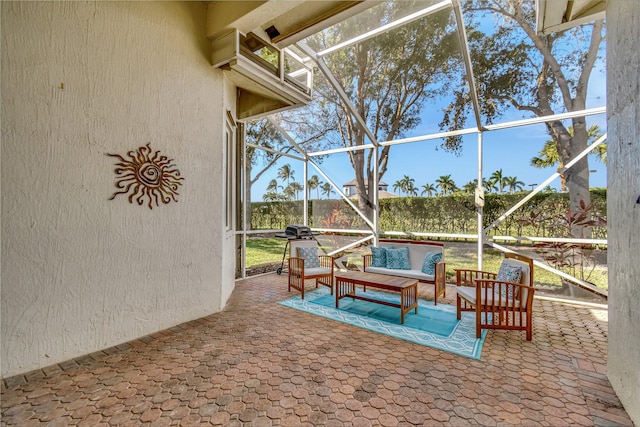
(294, 188)
(446, 184)
(312, 184)
(273, 186)
(470, 187)
(412, 190)
(406, 185)
(488, 185)
(428, 189)
(513, 184)
(286, 173)
(572, 258)
(497, 179)
(549, 156)
(326, 189)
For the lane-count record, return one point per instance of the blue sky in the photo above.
(510, 150)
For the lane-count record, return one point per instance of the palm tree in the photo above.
(411, 190)
(428, 189)
(326, 189)
(549, 155)
(296, 187)
(488, 185)
(446, 184)
(470, 187)
(498, 180)
(289, 192)
(273, 186)
(406, 185)
(513, 184)
(312, 184)
(398, 186)
(285, 173)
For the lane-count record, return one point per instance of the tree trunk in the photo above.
(577, 176)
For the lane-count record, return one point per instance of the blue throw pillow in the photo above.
(310, 256)
(430, 261)
(398, 259)
(378, 257)
(508, 273)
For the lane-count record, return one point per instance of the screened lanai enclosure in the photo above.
(453, 121)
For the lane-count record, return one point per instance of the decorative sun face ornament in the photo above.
(147, 176)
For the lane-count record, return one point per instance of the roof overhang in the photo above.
(283, 22)
(559, 15)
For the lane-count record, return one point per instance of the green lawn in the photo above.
(261, 251)
(267, 250)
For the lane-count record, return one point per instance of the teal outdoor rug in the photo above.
(434, 326)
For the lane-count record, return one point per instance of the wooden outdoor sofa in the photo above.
(417, 252)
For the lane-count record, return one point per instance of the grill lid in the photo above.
(298, 230)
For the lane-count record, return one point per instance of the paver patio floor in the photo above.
(260, 363)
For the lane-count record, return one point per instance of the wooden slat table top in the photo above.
(376, 280)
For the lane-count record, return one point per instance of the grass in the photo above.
(262, 251)
(270, 250)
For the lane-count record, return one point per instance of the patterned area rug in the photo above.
(433, 326)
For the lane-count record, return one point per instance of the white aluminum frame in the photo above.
(482, 236)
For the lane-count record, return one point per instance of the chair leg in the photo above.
(478, 323)
(458, 307)
(529, 327)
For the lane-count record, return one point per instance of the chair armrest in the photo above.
(440, 276)
(507, 292)
(465, 277)
(366, 261)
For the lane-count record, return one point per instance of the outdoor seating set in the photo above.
(501, 300)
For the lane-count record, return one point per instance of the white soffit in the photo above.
(293, 19)
(559, 15)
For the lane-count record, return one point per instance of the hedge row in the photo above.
(544, 215)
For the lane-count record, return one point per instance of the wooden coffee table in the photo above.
(346, 288)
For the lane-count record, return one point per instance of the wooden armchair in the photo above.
(502, 300)
(305, 263)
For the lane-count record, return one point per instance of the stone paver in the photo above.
(260, 363)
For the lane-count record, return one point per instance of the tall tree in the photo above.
(549, 155)
(470, 187)
(498, 180)
(398, 186)
(446, 184)
(387, 78)
(326, 189)
(513, 184)
(273, 186)
(406, 185)
(428, 189)
(312, 184)
(295, 188)
(539, 74)
(286, 173)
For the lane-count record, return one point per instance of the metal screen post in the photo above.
(480, 208)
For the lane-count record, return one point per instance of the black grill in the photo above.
(298, 231)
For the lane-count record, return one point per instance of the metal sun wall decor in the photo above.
(147, 175)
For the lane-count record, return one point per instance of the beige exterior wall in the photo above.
(623, 111)
(80, 272)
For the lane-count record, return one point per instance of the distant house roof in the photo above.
(386, 195)
(353, 182)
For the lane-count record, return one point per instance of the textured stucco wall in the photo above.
(623, 127)
(79, 272)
